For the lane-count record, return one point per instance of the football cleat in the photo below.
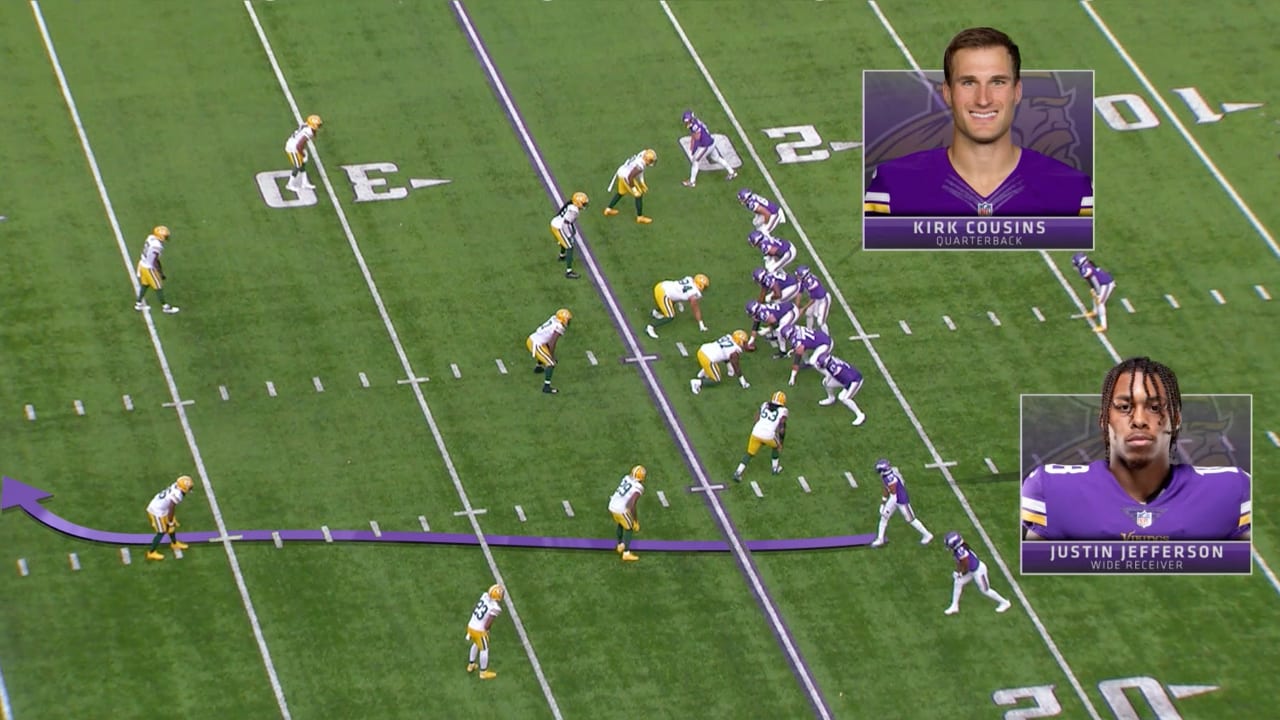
(755, 238)
(178, 545)
(883, 466)
(951, 610)
(471, 667)
(695, 385)
(185, 483)
(778, 398)
(926, 539)
(702, 281)
(609, 212)
(877, 543)
(629, 556)
(580, 199)
(639, 473)
(488, 674)
(651, 332)
(546, 388)
(170, 309)
(497, 592)
(161, 231)
(1003, 606)
(687, 118)
(571, 275)
(740, 337)
(650, 157)
(139, 306)
(642, 220)
(803, 272)
(743, 195)
(153, 555)
(952, 540)
(827, 401)
(314, 122)
(564, 316)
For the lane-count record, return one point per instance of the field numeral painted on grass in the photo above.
(1113, 692)
(1138, 115)
(809, 140)
(363, 177)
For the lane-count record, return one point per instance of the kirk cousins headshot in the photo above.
(982, 171)
(1137, 492)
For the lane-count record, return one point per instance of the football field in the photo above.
(347, 380)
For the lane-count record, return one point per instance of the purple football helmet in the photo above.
(953, 540)
(687, 118)
(1079, 259)
(761, 276)
(752, 308)
(883, 466)
(743, 195)
(755, 238)
(803, 272)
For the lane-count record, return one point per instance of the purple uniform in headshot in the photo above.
(1086, 502)
(925, 184)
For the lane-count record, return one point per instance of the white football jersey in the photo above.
(151, 250)
(635, 162)
(629, 488)
(298, 141)
(484, 613)
(681, 290)
(722, 350)
(770, 419)
(165, 501)
(547, 330)
(567, 216)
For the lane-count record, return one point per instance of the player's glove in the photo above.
(702, 327)
(792, 381)
(742, 380)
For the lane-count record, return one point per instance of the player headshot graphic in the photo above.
(983, 170)
(1137, 492)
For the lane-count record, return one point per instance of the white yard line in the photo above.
(178, 405)
(1182, 129)
(516, 622)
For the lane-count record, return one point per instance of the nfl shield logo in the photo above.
(985, 208)
(1143, 518)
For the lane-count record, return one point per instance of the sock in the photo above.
(702, 374)
(484, 659)
(830, 395)
(849, 403)
(919, 526)
(775, 459)
(723, 164)
(474, 652)
(547, 373)
(142, 291)
(568, 259)
(293, 176)
(160, 294)
(626, 540)
(956, 588)
(1102, 314)
(173, 538)
(155, 541)
(742, 466)
(619, 533)
(640, 206)
(615, 199)
(693, 173)
(659, 322)
(994, 595)
(884, 523)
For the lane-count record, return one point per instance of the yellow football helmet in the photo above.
(740, 337)
(639, 473)
(580, 199)
(161, 231)
(185, 483)
(650, 157)
(314, 122)
(564, 316)
(497, 592)
(779, 398)
(702, 281)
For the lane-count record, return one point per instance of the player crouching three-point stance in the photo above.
(487, 609)
(894, 497)
(151, 272)
(629, 180)
(969, 569)
(622, 505)
(564, 228)
(160, 511)
(542, 345)
(726, 348)
(668, 292)
(296, 148)
(770, 429)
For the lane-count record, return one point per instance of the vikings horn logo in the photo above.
(1043, 120)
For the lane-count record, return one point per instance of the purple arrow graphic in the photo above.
(21, 495)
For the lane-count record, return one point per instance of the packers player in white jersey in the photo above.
(668, 292)
(161, 512)
(629, 180)
(151, 272)
(542, 345)
(770, 429)
(486, 610)
(564, 228)
(726, 348)
(622, 505)
(296, 148)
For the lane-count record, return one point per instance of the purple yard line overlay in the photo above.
(20, 495)
(746, 564)
(1118, 557)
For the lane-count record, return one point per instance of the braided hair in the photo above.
(1171, 401)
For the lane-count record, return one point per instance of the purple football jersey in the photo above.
(774, 311)
(700, 134)
(964, 555)
(810, 339)
(774, 247)
(925, 183)
(813, 287)
(755, 201)
(1086, 502)
(896, 485)
(1096, 276)
(781, 282)
(843, 372)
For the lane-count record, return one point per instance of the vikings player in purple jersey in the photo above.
(1101, 285)
(837, 373)
(817, 308)
(776, 286)
(778, 253)
(982, 171)
(893, 496)
(969, 569)
(780, 315)
(766, 216)
(1137, 493)
(812, 348)
(702, 145)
